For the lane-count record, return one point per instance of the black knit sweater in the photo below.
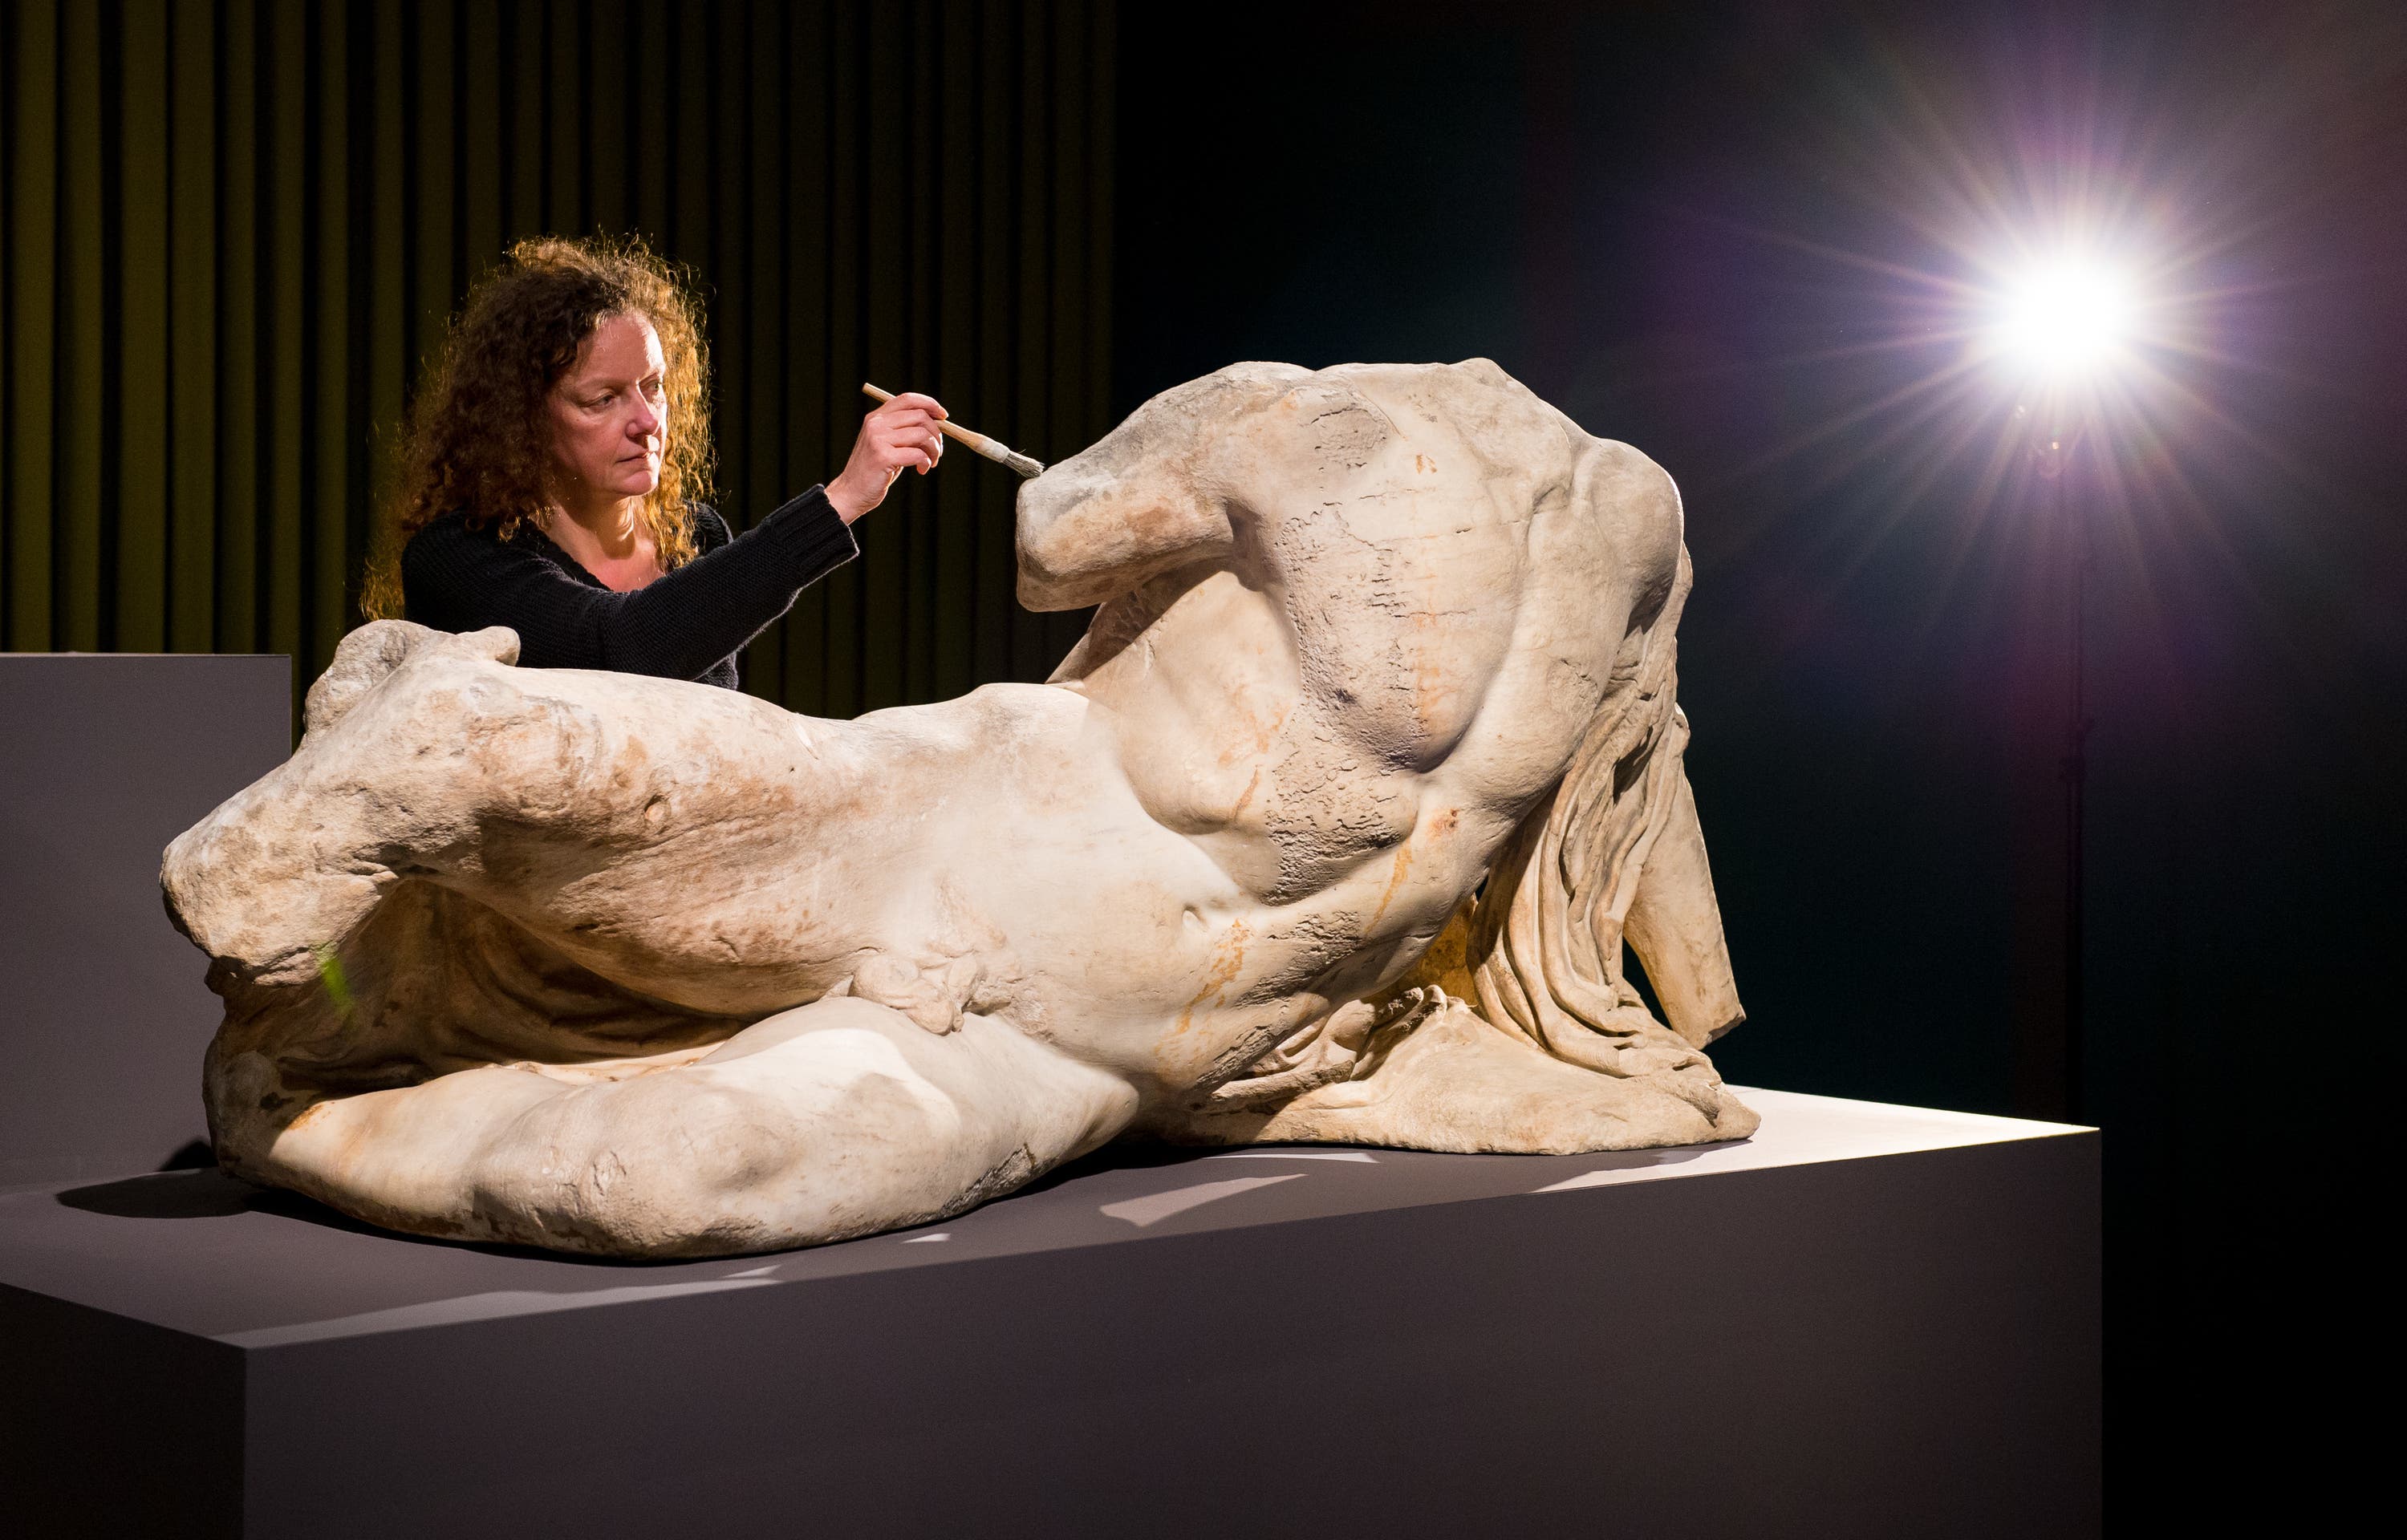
(687, 624)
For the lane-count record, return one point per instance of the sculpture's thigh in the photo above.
(838, 1118)
(516, 789)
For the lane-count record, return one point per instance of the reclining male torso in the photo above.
(1396, 609)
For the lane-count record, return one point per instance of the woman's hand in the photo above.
(898, 437)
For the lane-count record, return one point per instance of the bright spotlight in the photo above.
(2065, 319)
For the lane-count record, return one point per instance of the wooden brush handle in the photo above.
(977, 442)
(1002, 454)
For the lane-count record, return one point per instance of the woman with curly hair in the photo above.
(553, 467)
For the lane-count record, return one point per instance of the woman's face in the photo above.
(611, 415)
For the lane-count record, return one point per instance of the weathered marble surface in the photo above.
(1332, 828)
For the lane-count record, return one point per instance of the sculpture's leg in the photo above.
(1455, 1082)
(1674, 924)
(519, 789)
(837, 1119)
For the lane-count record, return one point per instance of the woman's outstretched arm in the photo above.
(677, 627)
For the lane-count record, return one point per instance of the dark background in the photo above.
(1697, 227)
(1713, 231)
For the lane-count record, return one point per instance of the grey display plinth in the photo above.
(1868, 1320)
(104, 758)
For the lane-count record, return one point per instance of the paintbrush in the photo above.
(977, 444)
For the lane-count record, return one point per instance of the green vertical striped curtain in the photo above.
(233, 229)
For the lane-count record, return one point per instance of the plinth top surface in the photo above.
(204, 1254)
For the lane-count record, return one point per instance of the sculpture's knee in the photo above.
(450, 737)
(370, 654)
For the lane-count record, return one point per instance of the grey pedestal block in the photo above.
(104, 758)
(1865, 1322)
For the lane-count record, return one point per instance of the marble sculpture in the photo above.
(1332, 828)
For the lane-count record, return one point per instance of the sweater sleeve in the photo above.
(677, 627)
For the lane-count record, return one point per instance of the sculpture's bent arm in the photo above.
(1089, 532)
(1144, 499)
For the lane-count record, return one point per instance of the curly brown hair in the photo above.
(476, 435)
